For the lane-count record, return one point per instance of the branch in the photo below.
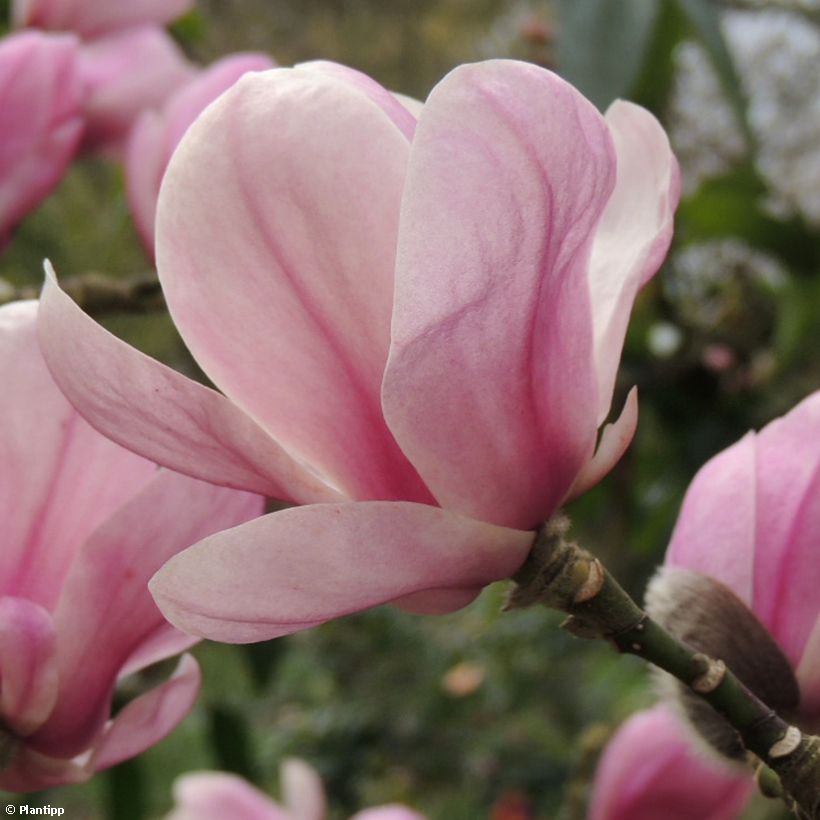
(98, 294)
(560, 575)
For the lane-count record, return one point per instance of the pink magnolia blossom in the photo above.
(85, 525)
(91, 18)
(126, 73)
(41, 98)
(651, 771)
(750, 520)
(157, 133)
(424, 316)
(217, 795)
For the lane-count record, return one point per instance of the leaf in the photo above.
(601, 44)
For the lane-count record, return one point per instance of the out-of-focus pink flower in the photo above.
(85, 525)
(91, 18)
(651, 771)
(128, 72)
(41, 98)
(216, 795)
(157, 133)
(750, 520)
(424, 316)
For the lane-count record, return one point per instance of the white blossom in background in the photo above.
(777, 54)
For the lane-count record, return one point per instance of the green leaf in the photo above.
(601, 44)
(729, 205)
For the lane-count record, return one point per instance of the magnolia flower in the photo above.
(216, 795)
(41, 100)
(651, 771)
(157, 133)
(90, 18)
(749, 521)
(85, 525)
(125, 73)
(422, 316)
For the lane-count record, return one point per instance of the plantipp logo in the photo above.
(35, 811)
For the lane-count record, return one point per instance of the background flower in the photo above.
(85, 525)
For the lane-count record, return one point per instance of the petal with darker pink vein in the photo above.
(490, 386)
(50, 500)
(105, 595)
(276, 234)
(299, 567)
(155, 411)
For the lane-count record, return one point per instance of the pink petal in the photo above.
(159, 413)
(715, 532)
(787, 520)
(28, 665)
(276, 233)
(808, 676)
(106, 613)
(391, 812)
(149, 718)
(634, 233)
(163, 643)
(218, 795)
(302, 791)
(60, 478)
(156, 134)
(305, 565)
(93, 17)
(30, 771)
(40, 119)
(490, 386)
(128, 72)
(615, 438)
(650, 772)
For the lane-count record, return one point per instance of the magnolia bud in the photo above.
(710, 618)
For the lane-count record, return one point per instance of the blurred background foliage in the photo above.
(478, 714)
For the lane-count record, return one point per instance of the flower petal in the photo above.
(649, 768)
(40, 119)
(391, 812)
(787, 520)
(276, 233)
(302, 791)
(715, 531)
(91, 17)
(50, 498)
(305, 565)
(125, 73)
(634, 233)
(106, 613)
(218, 795)
(490, 386)
(148, 718)
(159, 413)
(156, 134)
(615, 438)
(808, 677)
(28, 665)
